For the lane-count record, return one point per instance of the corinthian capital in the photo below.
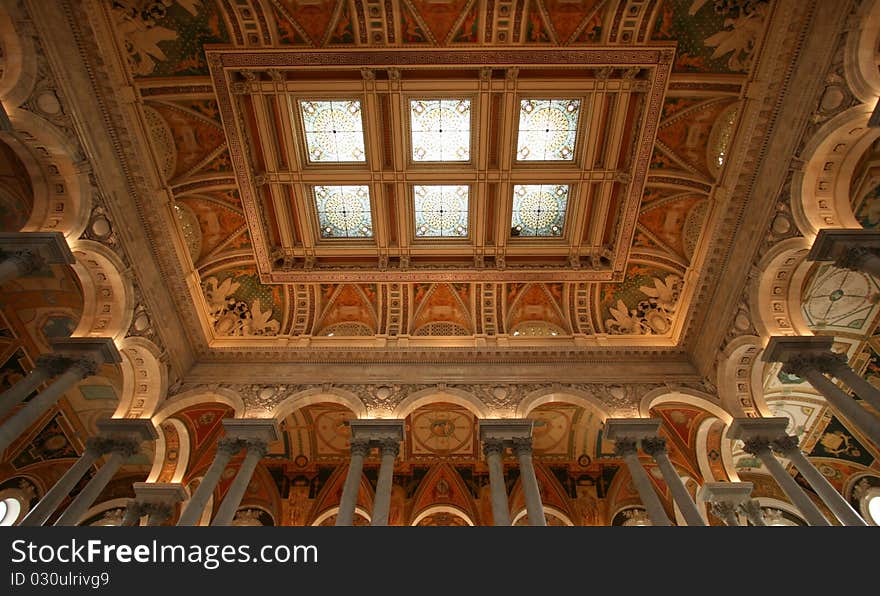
(259, 446)
(625, 446)
(654, 446)
(522, 446)
(390, 445)
(854, 258)
(756, 445)
(54, 364)
(26, 260)
(491, 446)
(86, 365)
(123, 445)
(360, 447)
(229, 445)
(784, 444)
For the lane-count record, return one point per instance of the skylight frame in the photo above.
(419, 239)
(312, 190)
(296, 102)
(451, 95)
(579, 132)
(570, 195)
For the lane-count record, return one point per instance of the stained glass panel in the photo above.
(539, 209)
(547, 129)
(344, 211)
(441, 210)
(441, 129)
(334, 130)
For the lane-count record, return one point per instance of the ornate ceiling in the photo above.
(657, 172)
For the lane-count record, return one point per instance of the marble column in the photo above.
(626, 432)
(656, 448)
(493, 449)
(348, 502)
(853, 249)
(22, 253)
(726, 500)
(752, 510)
(837, 366)
(48, 366)
(534, 508)
(757, 434)
(192, 512)
(806, 357)
(123, 438)
(95, 448)
(388, 449)
(842, 510)
(255, 451)
(86, 354)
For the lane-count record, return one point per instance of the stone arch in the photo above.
(165, 467)
(568, 395)
(702, 449)
(62, 191)
(415, 400)
(318, 395)
(108, 295)
(555, 512)
(737, 378)
(776, 298)
(102, 507)
(692, 397)
(820, 193)
(861, 56)
(199, 396)
(334, 510)
(450, 509)
(144, 378)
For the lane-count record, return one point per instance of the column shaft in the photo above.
(225, 514)
(858, 384)
(19, 392)
(798, 497)
(534, 507)
(646, 490)
(132, 514)
(829, 495)
(845, 405)
(348, 501)
(86, 498)
(500, 507)
(382, 503)
(31, 412)
(192, 513)
(679, 493)
(55, 495)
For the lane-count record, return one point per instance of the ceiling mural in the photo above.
(244, 199)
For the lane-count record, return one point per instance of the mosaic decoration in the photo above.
(334, 130)
(441, 210)
(344, 211)
(547, 129)
(441, 129)
(539, 209)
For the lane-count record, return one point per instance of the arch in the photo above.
(568, 395)
(180, 463)
(547, 510)
(776, 298)
(466, 400)
(62, 191)
(860, 60)
(199, 396)
(783, 506)
(432, 509)
(318, 395)
(702, 449)
(108, 295)
(334, 510)
(144, 378)
(736, 378)
(691, 397)
(820, 193)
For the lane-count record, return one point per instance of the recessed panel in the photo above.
(539, 209)
(441, 129)
(344, 211)
(547, 129)
(334, 130)
(441, 211)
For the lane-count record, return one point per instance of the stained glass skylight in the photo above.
(547, 129)
(441, 211)
(334, 130)
(539, 209)
(344, 211)
(441, 129)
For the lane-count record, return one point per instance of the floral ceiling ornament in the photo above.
(137, 23)
(743, 24)
(651, 316)
(235, 317)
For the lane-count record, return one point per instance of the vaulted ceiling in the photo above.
(276, 230)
